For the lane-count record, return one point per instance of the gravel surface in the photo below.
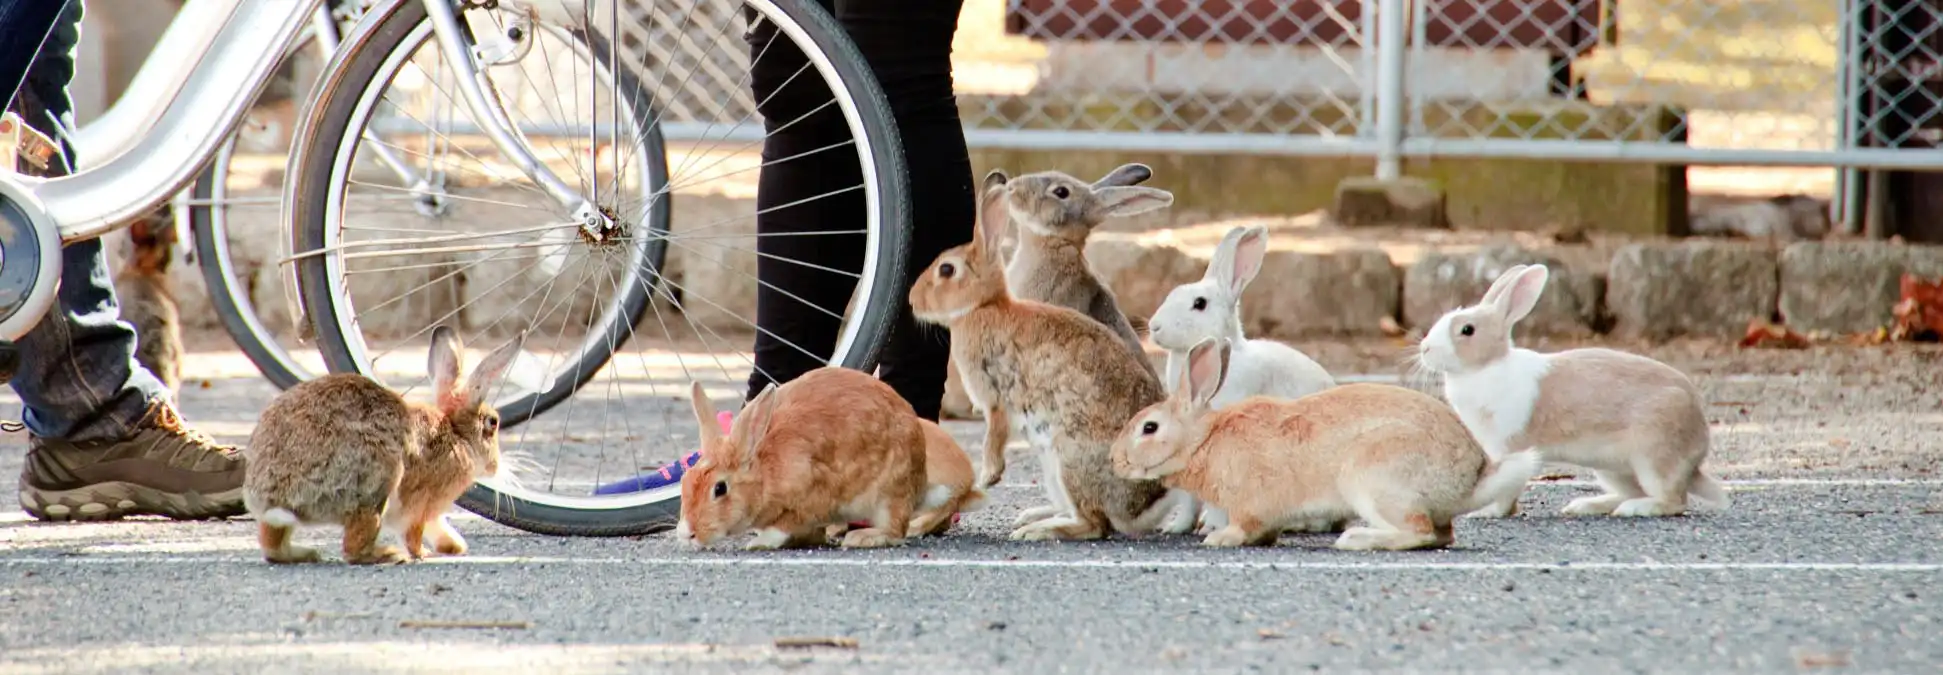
(1828, 557)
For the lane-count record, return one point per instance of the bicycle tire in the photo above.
(238, 316)
(585, 516)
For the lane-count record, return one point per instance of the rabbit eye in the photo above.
(1061, 192)
(1149, 428)
(721, 489)
(1466, 331)
(492, 425)
(945, 270)
(1200, 304)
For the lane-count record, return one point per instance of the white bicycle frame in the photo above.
(190, 95)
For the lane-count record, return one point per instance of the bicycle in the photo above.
(595, 233)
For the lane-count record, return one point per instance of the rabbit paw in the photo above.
(1601, 505)
(383, 555)
(870, 537)
(1058, 527)
(768, 539)
(295, 555)
(1502, 510)
(1645, 507)
(1035, 514)
(990, 475)
(1229, 536)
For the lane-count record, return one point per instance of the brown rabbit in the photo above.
(831, 446)
(1399, 459)
(142, 287)
(1061, 376)
(1056, 214)
(343, 449)
(948, 489)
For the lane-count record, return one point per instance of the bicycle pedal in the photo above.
(9, 361)
(20, 142)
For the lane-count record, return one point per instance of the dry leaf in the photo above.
(1763, 334)
(805, 642)
(1819, 659)
(1918, 315)
(1390, 327)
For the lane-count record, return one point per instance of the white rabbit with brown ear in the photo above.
(1211, 308)
(1056, 214)
(1636, 422)
(1054, 373)
(1396, 458)
(342, 449)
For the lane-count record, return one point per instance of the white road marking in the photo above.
(1283, 566)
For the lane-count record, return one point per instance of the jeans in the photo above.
(907, 44)
(78, 378)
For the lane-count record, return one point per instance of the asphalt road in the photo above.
(1837, 568)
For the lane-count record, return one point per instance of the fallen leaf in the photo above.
(1767, 335)
(807, 642)
(1821, 659)
(1389, 327)
(1839, 442)
(1269, 634)
(1918, 315)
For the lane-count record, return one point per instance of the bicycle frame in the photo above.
(214, 59)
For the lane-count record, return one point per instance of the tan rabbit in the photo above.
(948, 489)
(1637, 423)
(343, 449)
(1061, 377)
(948, 483)
(142, 288)
(831, 446)
(1056, 214)
(1396, 458)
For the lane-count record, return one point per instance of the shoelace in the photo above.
(169, 420)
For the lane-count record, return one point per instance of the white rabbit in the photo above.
(1636, 422)
(1211, 308)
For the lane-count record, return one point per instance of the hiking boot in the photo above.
(162, 469)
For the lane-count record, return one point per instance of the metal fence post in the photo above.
(1390, 103)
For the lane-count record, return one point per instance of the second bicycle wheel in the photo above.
(649, 112)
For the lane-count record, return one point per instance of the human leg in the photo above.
(106, 441)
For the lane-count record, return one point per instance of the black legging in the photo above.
(908, 46)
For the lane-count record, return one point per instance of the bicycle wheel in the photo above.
(621, 322)
(236, 200)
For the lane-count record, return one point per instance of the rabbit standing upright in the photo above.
(1057, 374)
(1397, 458)
(1056, 214)
(1636, 422)
(1211, 308)
(342, 449)
(146, 302)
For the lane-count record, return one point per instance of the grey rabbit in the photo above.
(1056, 213)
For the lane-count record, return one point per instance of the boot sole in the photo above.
(113, 501)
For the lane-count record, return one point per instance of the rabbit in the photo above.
(1211, 308)
(1057, 213)
(948, 490)
(1399, 459)
(1056, 373)
(343, 449)
(831, 446)
(142, 288)
(1636, 422)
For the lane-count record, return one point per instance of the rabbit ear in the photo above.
(1522, 294)
(993, 219)
(756, 415)
(1207, 368)
(1239, 258)
(1502, 282)
(709, 430)
(993, 178)
(1125, 174)
(492, 368)
(1118, 202)
(443, 365)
